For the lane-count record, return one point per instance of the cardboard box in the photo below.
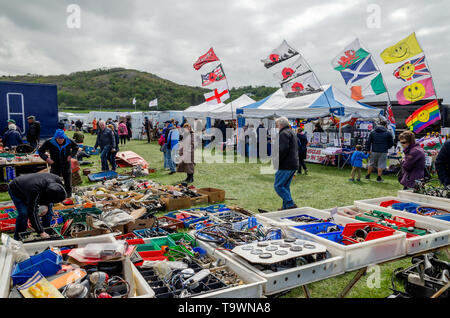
(139, 224)
(199, 200)
(214, 195)
(173, 203)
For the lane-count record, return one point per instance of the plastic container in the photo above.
(128, 236)
(142, 233)
(7, 225)
(319, 227)
(147, 247)
(47, 263)
(163, 241)
(422, 198)
(183, 236)
(6, 266)
(4, 216)
(417, 244)
(172, 224)
(153, 256)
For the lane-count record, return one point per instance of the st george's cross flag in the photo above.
(214, 76)
(153, 103)
(412, 70)
(218, 95)
(208, 57)
(302, 85)
(293, 70)
(282, 53)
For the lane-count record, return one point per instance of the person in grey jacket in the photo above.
(379, 142)
(286, 162)
(107, 143)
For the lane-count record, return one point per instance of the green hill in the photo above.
(115, 88)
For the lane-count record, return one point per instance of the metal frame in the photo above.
(19, 114)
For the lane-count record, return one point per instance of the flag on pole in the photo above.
(302, 85)
(214, 76)
(424, 117)
(208, 57)
(415, 92)
(153, 103)
(412, 70)
(218, 95)
(350, 55)
(134, 101)
(405, 49)
(370, 87)
(293, 70)
(280, 54)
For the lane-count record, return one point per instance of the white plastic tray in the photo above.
(423, 243)
(253, 287)
(374, 204)
(410, 195)
(139, 287)
(277, 282)
(6, 265)
(280, 217)
(356, 255)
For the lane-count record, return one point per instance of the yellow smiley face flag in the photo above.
(401, 51)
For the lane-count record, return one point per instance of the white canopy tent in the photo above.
(321, 104)
(228, 111)
(199, 111)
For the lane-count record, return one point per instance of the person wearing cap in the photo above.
(30, 191)
(107, 143)
(34, 131)
(9, 122)
(61, 149)
(12, 137)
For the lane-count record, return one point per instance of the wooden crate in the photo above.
(214, 195)
(199, 200)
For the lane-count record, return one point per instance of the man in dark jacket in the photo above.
(12, 137)
(442, 164)
(30, 191)
(286, 162)
(34, 131)
(130, 133)
(107, 143)
(379, 142)
(302, 150)
(62, 149)
(148, 127)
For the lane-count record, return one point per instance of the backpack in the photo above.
(121, 129)
(161, 140)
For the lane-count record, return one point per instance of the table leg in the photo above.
(306, 291)
(352, 283)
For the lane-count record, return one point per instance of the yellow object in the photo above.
(405, 49)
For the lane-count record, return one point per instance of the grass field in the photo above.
(323, 187)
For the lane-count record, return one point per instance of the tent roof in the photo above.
(228, 111)
(199, 111)
(309, 106)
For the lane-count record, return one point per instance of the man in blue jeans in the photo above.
(107, 143)
(286, 163)
(30, 192)
(173, 138)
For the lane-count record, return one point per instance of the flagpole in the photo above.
(429, 68)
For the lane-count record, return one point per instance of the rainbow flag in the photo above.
(424, 117)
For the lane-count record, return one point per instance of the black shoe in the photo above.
(171, 173)
(368, 177)
(379, 179)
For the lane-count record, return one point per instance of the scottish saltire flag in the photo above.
(280, 54)
(293, 70)
(405, 49)
(424, 117)
(350, 55)
(359, 71)
(302, 85)
(214, 76)
(412, 70)
(415, 92)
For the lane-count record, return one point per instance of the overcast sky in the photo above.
(166, 37)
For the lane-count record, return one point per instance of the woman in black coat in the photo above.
(302, 150)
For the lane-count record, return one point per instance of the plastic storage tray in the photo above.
(427, 199)
(422, 243)
(47, 263)
(374, 204)
(142, 290)
(6, 266)
(356, 255)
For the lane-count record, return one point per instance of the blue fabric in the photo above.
(357, 159)
(170, 162)
(59, 133)
(12, 138)
(166, 161)
(104, 156)
(283, 179)
(174, 137)
(112, 160)
(22, 217)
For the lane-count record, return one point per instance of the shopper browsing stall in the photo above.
(107, 143)
(61, 149)
(30, 191)
(413, 165)
(443, 164)
(286, 162)
(356, 162)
